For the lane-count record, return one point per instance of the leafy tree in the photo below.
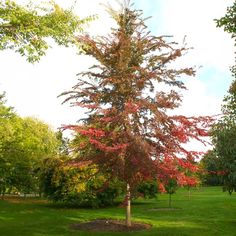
(224, 136)
(7, 134)
(38, 138)
(63, 180)
(224, 141)
(228, 22)
(148, 189)
(35, 142)
(223, 133)
(26, 29)
(129, 127)
(209, 165)
(63, 143)
(174, 172)
(191, 172)
(171, 187)
(24, 143)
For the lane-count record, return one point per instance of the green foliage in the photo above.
(210, 168)
(77, 185)
(26, 29)
(148, 189)
(223, 138)
(24, 143)
(228, 22)
(7, 134)
(63, 143)
(171, 187)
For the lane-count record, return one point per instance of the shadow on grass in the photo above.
(61, 205)
(141, 203)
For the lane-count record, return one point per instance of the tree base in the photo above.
(109, 225)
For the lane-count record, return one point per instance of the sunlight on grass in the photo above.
(5, 218)
(209, 212)
(180, 224)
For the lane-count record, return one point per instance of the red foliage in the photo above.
(91, 132)
(129, 131)
(181, 170)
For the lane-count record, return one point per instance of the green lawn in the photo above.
(208, 212)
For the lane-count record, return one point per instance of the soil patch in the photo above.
(109, 225)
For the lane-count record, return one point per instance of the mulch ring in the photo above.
(109, 225)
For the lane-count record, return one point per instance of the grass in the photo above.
(208, 212)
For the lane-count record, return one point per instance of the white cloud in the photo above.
(195, 19)
(197, 101)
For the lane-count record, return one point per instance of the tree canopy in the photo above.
(129, 129)
(224, 136)
(26, 29)
(228, 22)
(224, 131)
(24, 143)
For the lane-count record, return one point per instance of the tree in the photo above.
(35, 141)
(224, 141)
(63, 143)
(228, 21)
(210, 169)
(26, 29)
(129, 127)
(223, 133)
(223, 137)
(147, 189)
(171, 187)
(24, 143)
(173, 172)
(7, 133)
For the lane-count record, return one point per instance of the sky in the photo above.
(33, 89)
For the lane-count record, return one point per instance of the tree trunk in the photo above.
(169, 200)
(3, 194)
(128, 207)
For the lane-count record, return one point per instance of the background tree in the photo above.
(173, 172)
(129, 129)
(24, 143)
(223, 133)
(64, 143)
(148, 189)
(228, 21)
(171, 187)
(26, 29)
(191, 170)
(224, 136)
(210, 169)
(36, 141)
(7, 118)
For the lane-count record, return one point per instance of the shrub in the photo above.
(77, 185)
